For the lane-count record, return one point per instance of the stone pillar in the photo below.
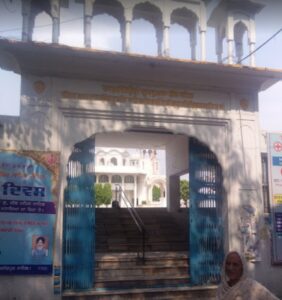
(166, 26)
(218, 45)
(252, 42)
(127, 42)
(135, 191)
(193, 44)
(166, 41)
(122, 182)
(230, 51)
(203, 30)
(26, 35)
(55, 13)
(127, 35)
(252, 56)
(56, 30)
(203, 45)
(149, 194)
(88, 13)
(159, 34)
(230, 38)
(173, 199)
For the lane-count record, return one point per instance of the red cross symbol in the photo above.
(277, 146)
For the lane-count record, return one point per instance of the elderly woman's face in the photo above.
(233, 267)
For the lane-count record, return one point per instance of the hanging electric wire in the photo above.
(263, 44)
(41, 26)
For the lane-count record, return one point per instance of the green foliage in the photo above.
(103, 194)
(156, 193)
(107, 189)
(99, 194)
(184, 190)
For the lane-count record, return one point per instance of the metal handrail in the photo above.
(135, 216)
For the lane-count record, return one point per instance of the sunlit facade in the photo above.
(136, 173)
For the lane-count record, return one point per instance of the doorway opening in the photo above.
(196, 229)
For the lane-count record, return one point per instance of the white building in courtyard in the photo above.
(136, 173)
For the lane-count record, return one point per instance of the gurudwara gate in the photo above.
(56, 243)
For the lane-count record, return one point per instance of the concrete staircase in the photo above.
(164, 276)
(117, 232)
(118, 273)
(121, 270)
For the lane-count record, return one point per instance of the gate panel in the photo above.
(206, 226)
(79, 219)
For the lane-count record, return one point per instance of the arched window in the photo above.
(75, 37)
(241, 40)
(146, 26)
(106, 33)
(184, 26)
(179, 42)
(103, 179)
(116, 179)
(102, 162)
(42, 30)
(113, 161)
(129, 179)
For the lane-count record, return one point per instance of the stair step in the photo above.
(142, 282)
(162, 293)
(164, 259)
(125, 264)
(136, 247)
(118, 240)
(136, 273)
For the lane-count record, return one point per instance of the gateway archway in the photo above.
(205, 223)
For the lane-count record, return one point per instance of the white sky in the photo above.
(107, 37)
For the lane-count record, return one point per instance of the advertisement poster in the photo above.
(28, 197)
(275, 176)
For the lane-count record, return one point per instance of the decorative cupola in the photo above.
(231, 20)
(31, 8)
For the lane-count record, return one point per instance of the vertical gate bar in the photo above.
(79, 219)
(206, 232)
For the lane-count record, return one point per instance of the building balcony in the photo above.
(134, 170)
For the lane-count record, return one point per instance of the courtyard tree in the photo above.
(103, 194)
(107, 193)
(156, 193)
(184, 190)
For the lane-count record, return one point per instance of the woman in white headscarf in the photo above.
(236, 285)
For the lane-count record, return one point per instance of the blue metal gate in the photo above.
(79, 219)
(206, 227)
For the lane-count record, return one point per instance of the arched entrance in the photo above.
(205, 224)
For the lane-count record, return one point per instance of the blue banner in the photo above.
(275, 186)
(28, 197)
(277, 161)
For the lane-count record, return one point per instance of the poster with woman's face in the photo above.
(28, 197)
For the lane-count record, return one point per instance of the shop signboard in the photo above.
(275, 178)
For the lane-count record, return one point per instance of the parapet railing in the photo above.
(122, 198)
